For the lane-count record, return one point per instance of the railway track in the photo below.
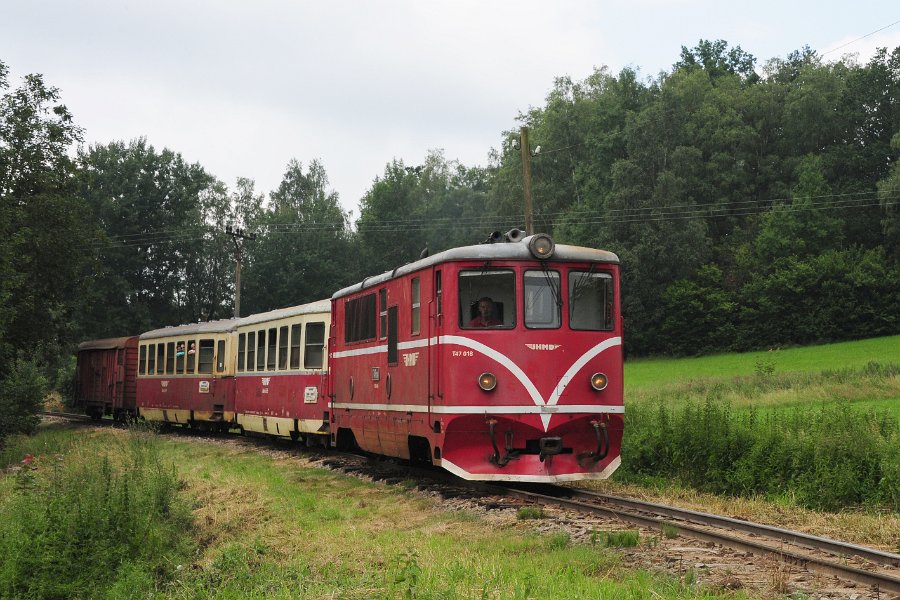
(70, 416)
(850, 562)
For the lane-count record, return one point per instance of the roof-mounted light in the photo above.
(541, 246)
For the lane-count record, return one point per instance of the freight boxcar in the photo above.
(105, 377)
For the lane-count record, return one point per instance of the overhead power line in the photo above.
(860, 38)
(625, 215)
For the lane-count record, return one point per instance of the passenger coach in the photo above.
(281, 370)
(186, 375)
(497, 361)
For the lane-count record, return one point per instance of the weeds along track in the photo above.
(851, 562)
(731, 553)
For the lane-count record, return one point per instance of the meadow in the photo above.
(129, 514)
(817, 425)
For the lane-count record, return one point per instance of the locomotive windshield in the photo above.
(542, 299)
(487, 299)
(590, 300)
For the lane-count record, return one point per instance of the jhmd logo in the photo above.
(543, 346)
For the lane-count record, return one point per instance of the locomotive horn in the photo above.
(515, 235)
(494, 238)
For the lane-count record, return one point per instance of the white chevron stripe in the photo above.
(579, 364)
(501, 358)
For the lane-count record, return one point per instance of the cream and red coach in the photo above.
(280, 372)
(105, 377)
(186, 375)
(535, 397)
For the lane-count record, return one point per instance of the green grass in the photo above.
(265, 526)
(649, 373)
(816, 424)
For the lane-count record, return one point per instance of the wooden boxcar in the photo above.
(105, 377)
(530, 391)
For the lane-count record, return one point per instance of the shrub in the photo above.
(827, 457)
(21, 394)
(80, 522)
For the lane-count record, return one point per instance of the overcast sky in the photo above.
(244, 86)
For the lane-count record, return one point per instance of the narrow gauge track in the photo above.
(74, 417)
(877, 569)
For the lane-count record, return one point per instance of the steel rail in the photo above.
(880, 581)
(812, 542)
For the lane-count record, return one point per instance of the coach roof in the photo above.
(482, 252)
(320, 306)
(222, 326)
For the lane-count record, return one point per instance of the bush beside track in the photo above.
(824, 454)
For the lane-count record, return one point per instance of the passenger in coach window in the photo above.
(179, 350)
(192, 350)
(486, 314)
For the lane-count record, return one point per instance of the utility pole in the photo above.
(526, 180)
(238, 234)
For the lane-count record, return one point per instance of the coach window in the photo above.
(179, 357)
(416, 319)
(205, 362)
(151, 359)
(314, 355)
(261, 350)
(242, 351)
(282, 348)
(170, 358)
(590, 300)
(495, 289)
(191, 355)
(273, 341)
(360, 319)
(142, 360)
(542, 299)
(251, 351)
(220, 356)
(382, 311)
(161, 358)
(295, 345)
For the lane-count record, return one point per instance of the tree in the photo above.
(154, 209)
(44, 227)
(302, 252)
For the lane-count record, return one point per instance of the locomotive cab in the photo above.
(497, 361)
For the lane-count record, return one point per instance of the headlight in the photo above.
(487, 381)
(599, 381)
(541, 246)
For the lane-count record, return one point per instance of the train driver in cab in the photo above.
(486, 314)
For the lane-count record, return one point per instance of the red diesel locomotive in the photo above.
(499, 361)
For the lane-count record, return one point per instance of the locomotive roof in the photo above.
(106, 343)
(320, 306)
(221, 326)
(496, 251)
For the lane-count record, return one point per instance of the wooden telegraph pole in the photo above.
(526, 180)
(238, 234)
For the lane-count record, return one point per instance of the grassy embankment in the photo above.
(96, 515)
(815, 427)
